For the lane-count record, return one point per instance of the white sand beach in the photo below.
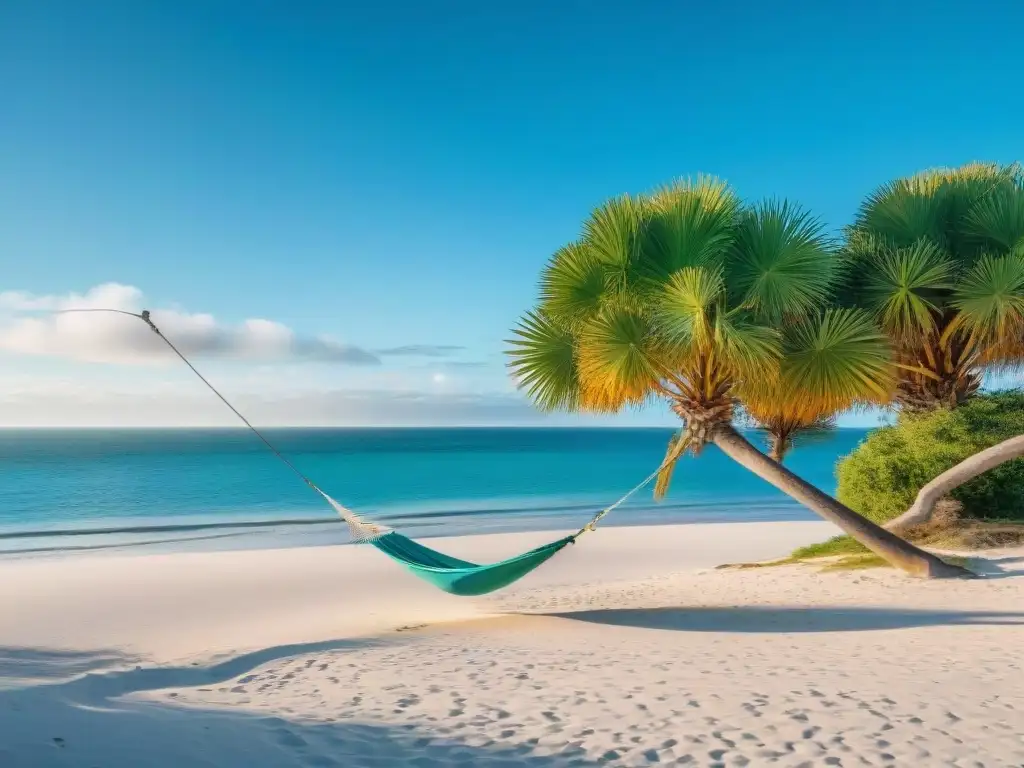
(626, 649)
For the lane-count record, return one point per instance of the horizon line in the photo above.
(242, 428)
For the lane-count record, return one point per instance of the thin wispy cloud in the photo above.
(110, 338)
(421, 350)
(69, 405)
(464, 364)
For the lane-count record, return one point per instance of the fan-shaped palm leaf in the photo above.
(620, 359)
(836, 360)
(830, 363)
(572, 285)
(691, 226)
(686, 307)
(997, 221)
(783, 263)
(543, 362)
(990, 300)
(904, 288)
(905, 211)
(920, 255)
(749, 350)
(614, 236)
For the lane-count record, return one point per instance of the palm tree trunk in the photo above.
(778, 445)
(883, 543)
(921, 510)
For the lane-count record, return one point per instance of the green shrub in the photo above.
(880, 479)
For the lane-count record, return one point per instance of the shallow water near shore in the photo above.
(71, 490)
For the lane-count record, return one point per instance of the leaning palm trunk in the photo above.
(968, 469)
(883, 543)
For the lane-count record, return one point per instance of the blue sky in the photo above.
(396, 173)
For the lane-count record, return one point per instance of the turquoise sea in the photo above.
(66, 490)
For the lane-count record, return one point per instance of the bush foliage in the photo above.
(883, 476)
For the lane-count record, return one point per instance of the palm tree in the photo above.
(681, 296)
(939, 260)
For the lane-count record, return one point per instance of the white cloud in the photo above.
(20, 301)
(112, 338)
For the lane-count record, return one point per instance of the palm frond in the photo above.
(905, 211)
(614, 237)
(831, 362)
(690, 226)
(543, 362)
(905, 287)
(838, 359)
(997, 221)
(708, 192)
(677, 446)
(990, 300)
(573, 284)
(750, 350)
(686, 307)
(620, 360)
(783, 263)
(856, 259)
(935, 205)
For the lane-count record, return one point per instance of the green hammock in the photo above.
(457, 577)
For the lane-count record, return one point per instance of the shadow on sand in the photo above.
(995, 567)
(92, 720)
(103, 674)
(40, 729)
(784, 619)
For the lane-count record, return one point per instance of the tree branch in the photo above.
(921, 510)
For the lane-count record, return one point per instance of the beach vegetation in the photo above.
(883, 476)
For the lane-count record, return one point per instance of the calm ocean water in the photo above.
(91, 489)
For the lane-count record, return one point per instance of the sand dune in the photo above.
(652, 664)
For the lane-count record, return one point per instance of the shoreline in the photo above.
(173, 534)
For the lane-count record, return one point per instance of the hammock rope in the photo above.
(451, 574)
(360, 529)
